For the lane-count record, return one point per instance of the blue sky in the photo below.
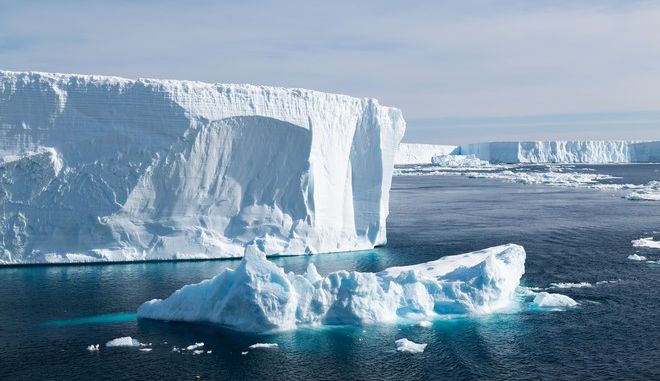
(461, 71)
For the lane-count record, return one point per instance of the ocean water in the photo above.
(50, 314)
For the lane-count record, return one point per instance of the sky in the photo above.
(461, 71)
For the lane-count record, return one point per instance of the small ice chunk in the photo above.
(553, 301)
(145, 349)
(636, 257)
(647, 242)
(570, 285)
(405, 345)
(93, 348)
(263, 345)
(244, 353)
(126, 341)
(192, 347)
(424, 324)
(209, 352)
(198, 352)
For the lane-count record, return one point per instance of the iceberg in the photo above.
(647, 242)
(411, 153)
(259, 296)
(589, 151)
(98, 168)
(545, 300)
(458, 161)
(126, 341)
(405, 345)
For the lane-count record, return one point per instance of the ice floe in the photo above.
(547, 300)
(93, 348)
(405, 345)
(637, 257)
(264, 346)
(571, 285)
(126, 341)
(646, 242)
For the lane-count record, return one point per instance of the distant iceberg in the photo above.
(99, 168)
(409, 153)
(458, 161)
(591, 152)
(259, 296)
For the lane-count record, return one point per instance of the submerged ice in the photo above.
(259, 296)
(96, 168)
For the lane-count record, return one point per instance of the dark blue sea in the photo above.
(50, 314)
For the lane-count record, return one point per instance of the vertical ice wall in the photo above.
(594, 151)
(101, 168)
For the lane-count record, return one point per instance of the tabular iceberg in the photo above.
(409, 153)
(259, 296)
(595, 152)
(96, 168)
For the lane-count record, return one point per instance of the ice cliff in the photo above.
(408, 153)
(259, 296)
(594, 152)
(96, 168)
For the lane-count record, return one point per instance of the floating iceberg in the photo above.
(549, 301)
(101, 168)
(636, 257)
(647, 242)
(454, 161)
(259, 296)
(594, 152)
(126, 341)
(405, 345)
(648, 192)
(408, 153)
(264, 346)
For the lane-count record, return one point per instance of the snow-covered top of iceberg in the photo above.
(259, 296)
(413, 153)
(162, 169)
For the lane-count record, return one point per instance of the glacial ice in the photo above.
(594, 152)
(553, 301)
(454, 161)
(259, 296)
(126, 341)
(647, 242)
(96, 168)
(405, 345)
(409, 153)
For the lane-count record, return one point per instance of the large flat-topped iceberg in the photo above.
(109, 169)
(259, 296)
(411, 153)
(594, 151)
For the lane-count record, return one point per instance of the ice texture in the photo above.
(405, 345)
(647, 242)
(410, 153)
(96, 168)
(454, 161)
(259, 296)
(553, 301)
(126, 341)
(594, 151)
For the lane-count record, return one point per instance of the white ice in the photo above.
(126, 341)
(93, 348)
(110, 169)
(646, 242)
(553, 301)
(259, 296)
(264, 346)
(593, 152)
(571, 285)
(454, 161)
(405, 345)
(637, 257)
(407, 153)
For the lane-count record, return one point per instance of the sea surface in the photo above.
(50, 314)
